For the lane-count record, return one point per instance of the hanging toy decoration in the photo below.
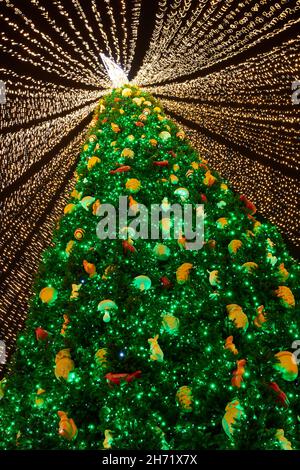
(89, 268)
(286, 296)
(101, 358)
(229, 344)
(166, 283)
(41, 334)
(234, 246)
(214, 277)
(283, 442)
(69, 208)
(233, 412)
(209, 179)
(107, 443)
(280, 396)
(133, 185)
(249, 267)
(92, 162)
(164, 135)
(286, 365)
(238, 373)
(2, 388)
(75, 291)
(155, 350)
(126, 377)
(222, 222)
(142, 282)
(185, 398)
(64, 364)
(182, 193)
(79, 234)
(108, 307)
(283, 273)
(87, 201)
(48, 295)
(162, 252)
(260, 319)
(170, 324)
(70, 246)
(183, 273)
(237, 316)
(67, 427)
(65, 324)
(39, 399)
(127, 153)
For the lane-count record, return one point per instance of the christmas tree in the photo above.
(135, 343)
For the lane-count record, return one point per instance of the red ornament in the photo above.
(128, 247)
(280, 396)
(117, 99)
(173, 154)
(248, 204)
(161, 163)
(166, 283)
(121, 169)
(203, 198)
(41, 334)
(139, 124)
(116, 378)
(104, 120)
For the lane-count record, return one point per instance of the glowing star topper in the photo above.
(116, 74)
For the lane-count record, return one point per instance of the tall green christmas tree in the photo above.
(144, 344)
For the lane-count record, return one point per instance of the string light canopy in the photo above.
(223, 70)
(117, 76)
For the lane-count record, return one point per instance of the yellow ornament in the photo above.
(96, 206)
(107, 443)
(101, 358)
(250, 266)
(170, 324)
(157, 109)
(164, 135)
(127, 153)
(48, 295)
(260, 319)
(76, 194)
(214, 277)
(79, 233)
(69, 208)
(174, 179)
(176, 167)
(107, 306)
(64, 364)
(137, 101)
(155, 350)
(131, 138)
(92, 162)
(183, 273)
(222, 222)
(283, 274)
(162, 252)
(209, 179)
(153, 142)
(237, 316)
(67, 427)
(75, 291)
(180, 135)
(85, 147)
(224, 187)
(39, 400)
(286, 296)
(133, 185)
(233, 412)
(89, 268)
(2, 388)
(286, 365)
(234, 246)
(70, 246)
(115, 127)
(229, 344)
(185, 398)
(86, 202)
(284, 443)
(126, 92)
(108, 270)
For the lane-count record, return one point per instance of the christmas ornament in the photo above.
(121, 169)
(286, 296)
(108, 270)
(155, 350)
(222, 222)
(2, 388)
(166, 283)
(164, 135)
(92, 162)
(108, 307)
(128, 246)
(209, 179)
(238, 373)
(162, 252)
(117, 378)
(89, 268)
(182, 193)
(286, 365)
(67, 427)
(170, 324)
(41, 334)
(271, 259)
(76, 194)
(69, 208)
(284, 443)
(64, 364)
(153, 142)
(65, 324)
(230, 345)
(234, 246)
(250, 266)
(174, 179)
(133, 185)
(79, 234)
(180, 134)
(107, 443)
(39, 399)
(214, 277)
(48, 295)
(101, 358)
(75, 291)
(96, 206)
(161, 163)
(127, 153)
(233, 412)
(126, 92)
(260, 319)
(70, 246)
(115, 127)
(248, 204)
(280, 396)
(237, 316)
(185, 398)
(183, 273)
(142, 282)
(137, 101)
(87, 201)
(283, 274)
